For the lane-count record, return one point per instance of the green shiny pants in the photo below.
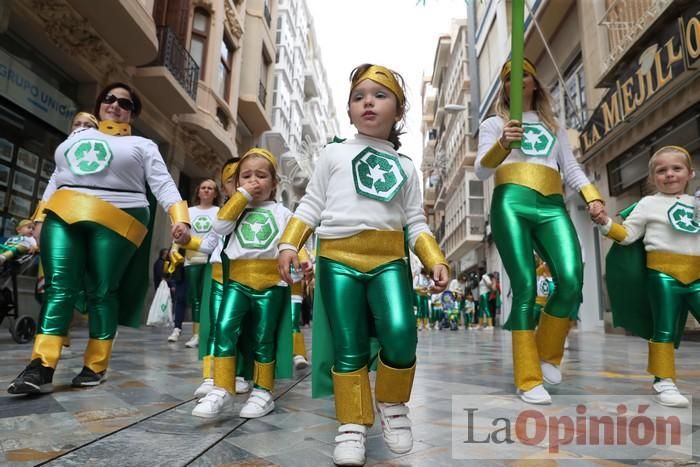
(215, 297)
(484, 306)
(523, 220)
(668, 298)
(356, 301)
(423, 305)
(195, 277)
(296, 316)
(83, 256)
(265, 308)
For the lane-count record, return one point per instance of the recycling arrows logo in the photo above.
(681, 218)
(537, 141)
(201, 224)
(257, 230)
(377, 175)
(88, 156)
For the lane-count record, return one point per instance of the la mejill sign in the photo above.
(26, 89)
(675, 50)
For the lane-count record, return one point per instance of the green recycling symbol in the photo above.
(537, 141)
(257, 229)
(88, 156)
(681, 218)
(377, 175)
(202, 224)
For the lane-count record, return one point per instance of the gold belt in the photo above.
(74, 206)
(258, 274)
(685, 268)
(366, 250)
(217, 272)
(545, 180)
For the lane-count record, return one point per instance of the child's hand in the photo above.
(512, 131)
(286, 259)
(180, 233)
(308, 270)
(251, 186)
(440, 278)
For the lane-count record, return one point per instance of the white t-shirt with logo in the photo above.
(202, 225)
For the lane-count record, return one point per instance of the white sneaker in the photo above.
(536, 395)
(300, 362)
(212, 404)
(396, 427)
(175, 335)
(204, 388)
(350, 445)
(668, 394)
(193, 342)
(242, 386)
(259, 403)
(550, 373)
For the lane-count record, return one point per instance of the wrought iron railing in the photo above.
(173, 56)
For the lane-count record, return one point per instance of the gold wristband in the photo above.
(178, 213)
(233, 207)
(617, 232)
(429, 252)
(39, 213)
(193, 244)
(590, 193)
(296, 233)
(495, 155)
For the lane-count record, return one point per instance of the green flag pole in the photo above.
(517, 57)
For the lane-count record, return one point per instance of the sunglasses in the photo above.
(122, 102)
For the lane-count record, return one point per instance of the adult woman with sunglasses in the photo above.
(95, 214)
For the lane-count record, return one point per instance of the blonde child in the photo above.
(672, 243)
(21, 244)
(253, 287)
(359, 199)
(84, 120)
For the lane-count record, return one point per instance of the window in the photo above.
(262, 89)
(200, 35)
(573, 113)
(476, 207)
(225, 64)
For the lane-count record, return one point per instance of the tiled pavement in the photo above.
(141, 415)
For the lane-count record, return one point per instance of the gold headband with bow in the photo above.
(383, 76)
(527, 67)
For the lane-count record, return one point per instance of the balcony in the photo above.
(170, 82)
(312, 83)
(429, 196)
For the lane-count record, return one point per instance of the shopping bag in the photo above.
(161, 311)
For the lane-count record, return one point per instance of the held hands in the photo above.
(440, 278)
(180, 233)
(286, 259)
(596, 209)
(512, 131)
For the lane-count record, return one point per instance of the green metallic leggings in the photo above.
(523, 220)
(668, 297)
(354, 301)
(423, 305)
(266, 308)
(296, 316)
(83, 256)
(195, 277)
(215, 297)
(484, 306)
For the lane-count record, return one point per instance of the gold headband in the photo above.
(527, 67)
(228, 171)
(89, 116)
(262, 153)
(383, 76)
(680, 149)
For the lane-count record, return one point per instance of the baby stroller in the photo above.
(22, 328)
(451, 306)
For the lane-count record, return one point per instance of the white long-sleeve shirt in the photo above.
(485, 284)
(665, 223)
(115, 169)
(334, 208)
(202, 221)
(560, 157)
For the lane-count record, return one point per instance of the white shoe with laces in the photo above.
(260, 403)
(537, 395)
(212, 404)
(350, 445)
(193, 342)
(667, 394)
(175, 335)
(550, 373)
(396, 426)
(300, 362)
(204, 388)
(242, 386)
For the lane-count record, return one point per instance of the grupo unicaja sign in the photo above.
(29, 91)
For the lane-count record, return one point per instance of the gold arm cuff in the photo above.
(73, 206)
(48, 349)
(526, 362)
(258, 274)
(225, 373)
(217, 272)
(685, 268)
(233, 207)
(590, 193)
(617, 232)
(545, 180)
(304, 255)
(39, 213)
(495, 155)
(429, 252)
(296, 233)
(550, 337)
(366, 250)
(661, 361)
(176, 259)
(393, 384)
(264, 375)
(179, 213)
(353, 397)
(193, 244)
(97, 354)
